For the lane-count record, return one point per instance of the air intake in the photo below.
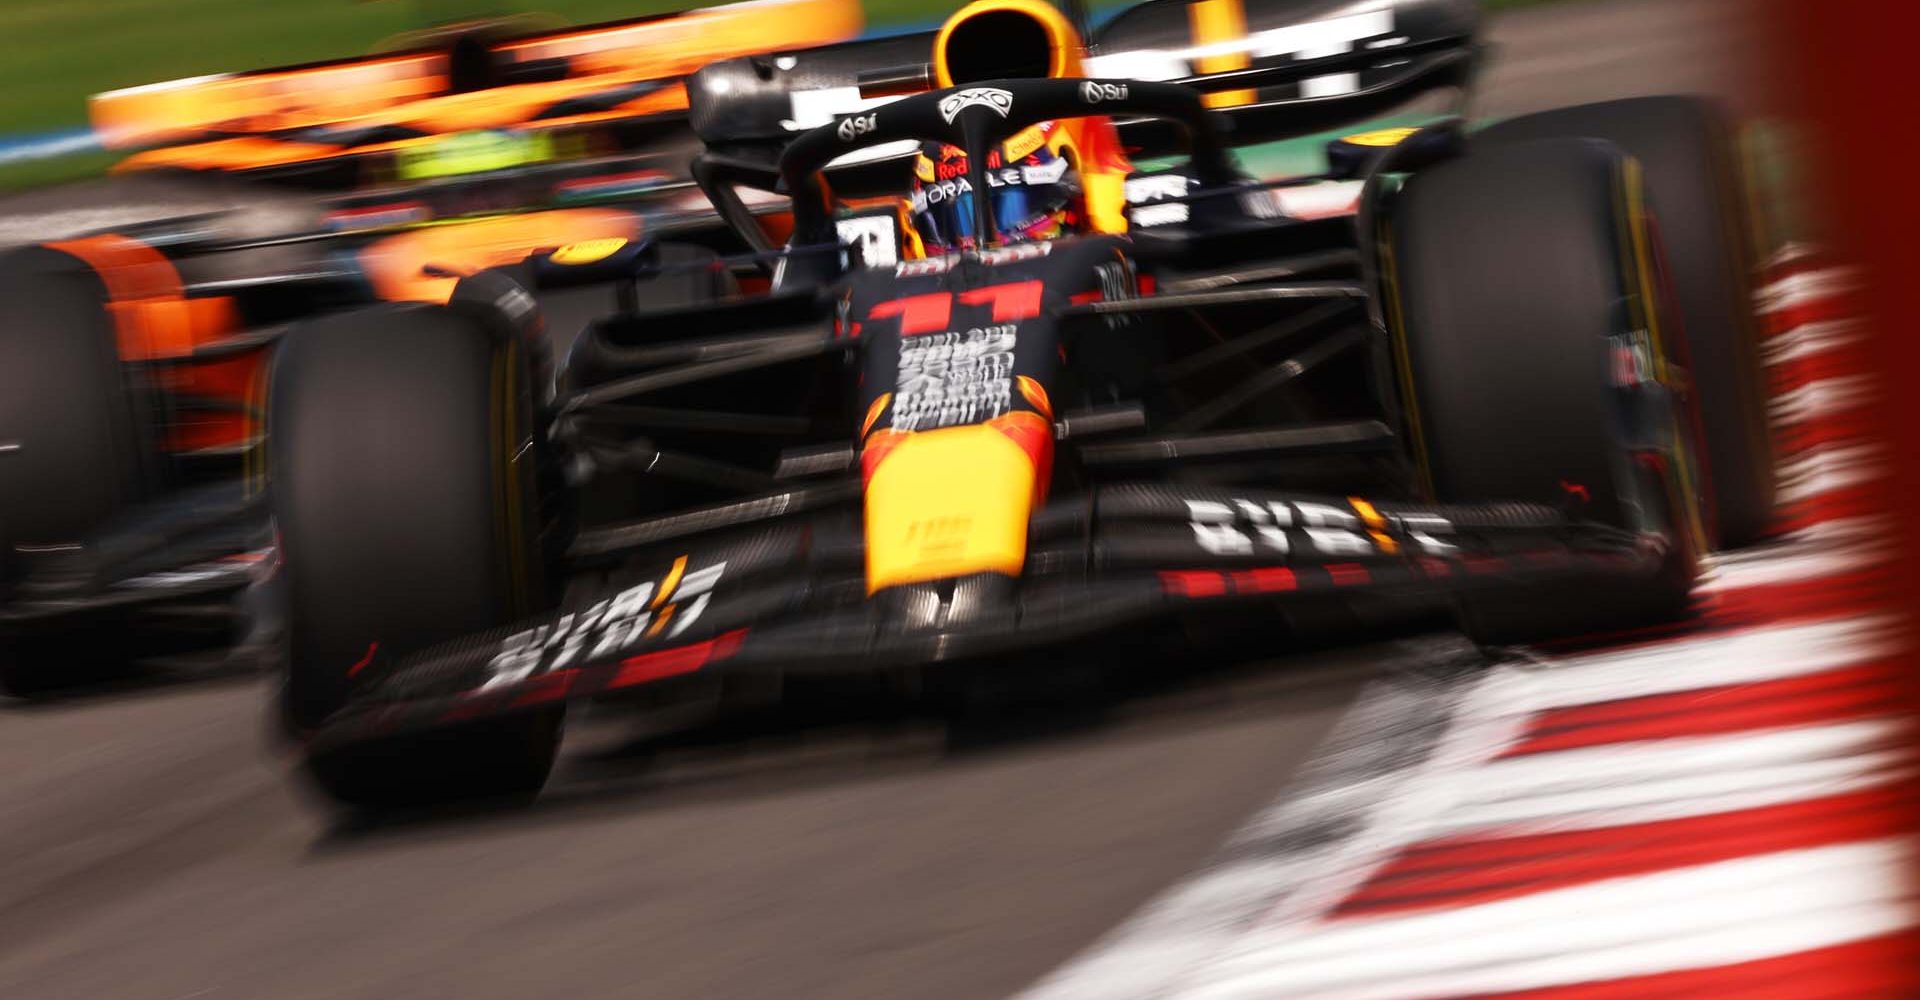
(1003, 39)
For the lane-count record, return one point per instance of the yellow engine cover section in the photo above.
(947, 503)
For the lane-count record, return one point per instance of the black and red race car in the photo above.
(898, 460)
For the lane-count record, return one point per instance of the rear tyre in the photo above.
(74, 441)
(1692, 168)
(1519, 273)
(403, 490)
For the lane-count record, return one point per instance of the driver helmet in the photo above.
(1034, 190)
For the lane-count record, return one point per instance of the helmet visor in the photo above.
(1030, 201)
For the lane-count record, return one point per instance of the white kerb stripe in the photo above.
(1822, 398)
(1685, 798)
(1829, 458)
(1826, 548)
(1758, 654)
(1826, 470)
(1808, 286)
(1593, 787)
(1807, 564)
(1707, 915)
(1789, 253)
(1810, 339)
(1636, 763)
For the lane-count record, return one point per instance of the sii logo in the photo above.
(855, 126)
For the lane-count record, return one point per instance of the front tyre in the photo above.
(1524, 283)
(404, 492)
(76, 444)
(1688, 156)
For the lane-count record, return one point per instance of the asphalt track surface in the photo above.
(152, 846)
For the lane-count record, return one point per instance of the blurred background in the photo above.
(58, 53)
(1546, 53)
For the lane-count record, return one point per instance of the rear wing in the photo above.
(1278, 68)
(1300, 66)
(276, 101)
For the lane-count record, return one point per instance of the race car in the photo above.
(130, 491)
(136, 323)
(436, 102)
(1000, 412)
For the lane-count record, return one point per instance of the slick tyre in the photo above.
(1517, 273)
(1691, 165)
(75, 439)
(403, 490)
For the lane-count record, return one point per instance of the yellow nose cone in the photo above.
(948, 503)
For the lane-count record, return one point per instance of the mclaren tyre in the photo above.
(1524, 289)
(75, 441)
(404, 493)
(1692, 169)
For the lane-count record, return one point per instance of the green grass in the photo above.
(53, 170)
(59, 51)
(56, 52)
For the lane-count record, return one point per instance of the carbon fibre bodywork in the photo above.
(953, 460)
(792, 600)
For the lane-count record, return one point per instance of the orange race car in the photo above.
(131, 359)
